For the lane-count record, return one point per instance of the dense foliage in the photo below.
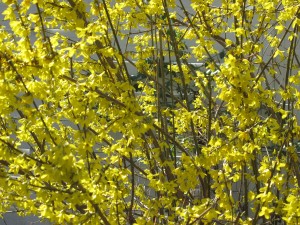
(150, 111)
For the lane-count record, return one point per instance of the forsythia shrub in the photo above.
(150, 111)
